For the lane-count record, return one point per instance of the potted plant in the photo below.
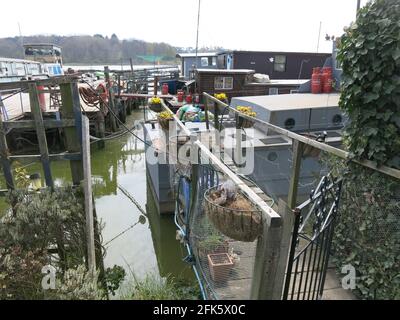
(164, 118)
(212, 244)
(245, 122)
(155, 104)
(220, 265)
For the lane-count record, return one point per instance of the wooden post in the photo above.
(131, 63)
(41, 133)
(4, 153)
(100, 129)
(70, 108)
(155, 88)
(288, 219)
(88, 195)
(298, 148)
(216, 114)
(238, 159)
(265, 272)
(206, 113)
(110, 100)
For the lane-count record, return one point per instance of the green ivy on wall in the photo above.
(369, 52)
(368, 233)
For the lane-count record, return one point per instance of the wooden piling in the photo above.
(71, 109)
(100, 129)
(4, 153)
(41, 133)
(111, 105)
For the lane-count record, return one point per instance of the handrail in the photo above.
(319, 145)
(271, 217)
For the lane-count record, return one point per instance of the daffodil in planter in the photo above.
(221, 97)
(155, 104)
(164, 118)
(244, 122)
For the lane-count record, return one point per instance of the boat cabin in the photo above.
(17, 69)
(49, 55)
(243, 82)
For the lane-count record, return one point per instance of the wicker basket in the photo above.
(156, 107)
(164, 123)
(182, 164)
(244, 122)
(240, 225)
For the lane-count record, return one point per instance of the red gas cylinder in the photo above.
(164, 89)
(189, 98)
(316, 84)
(42, 99)
(180, 95)
(327, 70)
(327, 80)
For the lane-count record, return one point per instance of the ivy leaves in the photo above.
(369, 52)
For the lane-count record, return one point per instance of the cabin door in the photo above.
(229, 62)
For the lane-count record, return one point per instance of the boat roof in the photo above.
(199, 54)
(41, 45)
(281, 82)
(4, 59)
(322, 54)
(226, 71)
(291, 101)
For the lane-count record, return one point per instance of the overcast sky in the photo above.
(286, 25)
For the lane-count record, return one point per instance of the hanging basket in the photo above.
(244, 122)
(156, 107)
(164, 123)
(181, 162)
(240, 225)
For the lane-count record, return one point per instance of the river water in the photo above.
(144, 248)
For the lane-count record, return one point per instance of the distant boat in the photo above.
(41, 61)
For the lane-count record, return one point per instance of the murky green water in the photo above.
(144, 248)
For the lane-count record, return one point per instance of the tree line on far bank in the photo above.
(95, 49)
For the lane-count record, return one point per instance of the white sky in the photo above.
(285, 25)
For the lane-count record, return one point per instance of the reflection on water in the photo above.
(144, 248)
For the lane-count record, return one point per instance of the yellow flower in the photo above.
(220, 96)
(155, 100)
(247, 111)
(165, 115)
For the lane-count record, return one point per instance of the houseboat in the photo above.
(277, 65)
(49, 55)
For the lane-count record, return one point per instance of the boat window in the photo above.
(20, 69)
(225, 83)
(214, 61)
(204, 62)
(280, 63)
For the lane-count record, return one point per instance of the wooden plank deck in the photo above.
(19, 104)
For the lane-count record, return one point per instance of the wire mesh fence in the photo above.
(226, 264)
